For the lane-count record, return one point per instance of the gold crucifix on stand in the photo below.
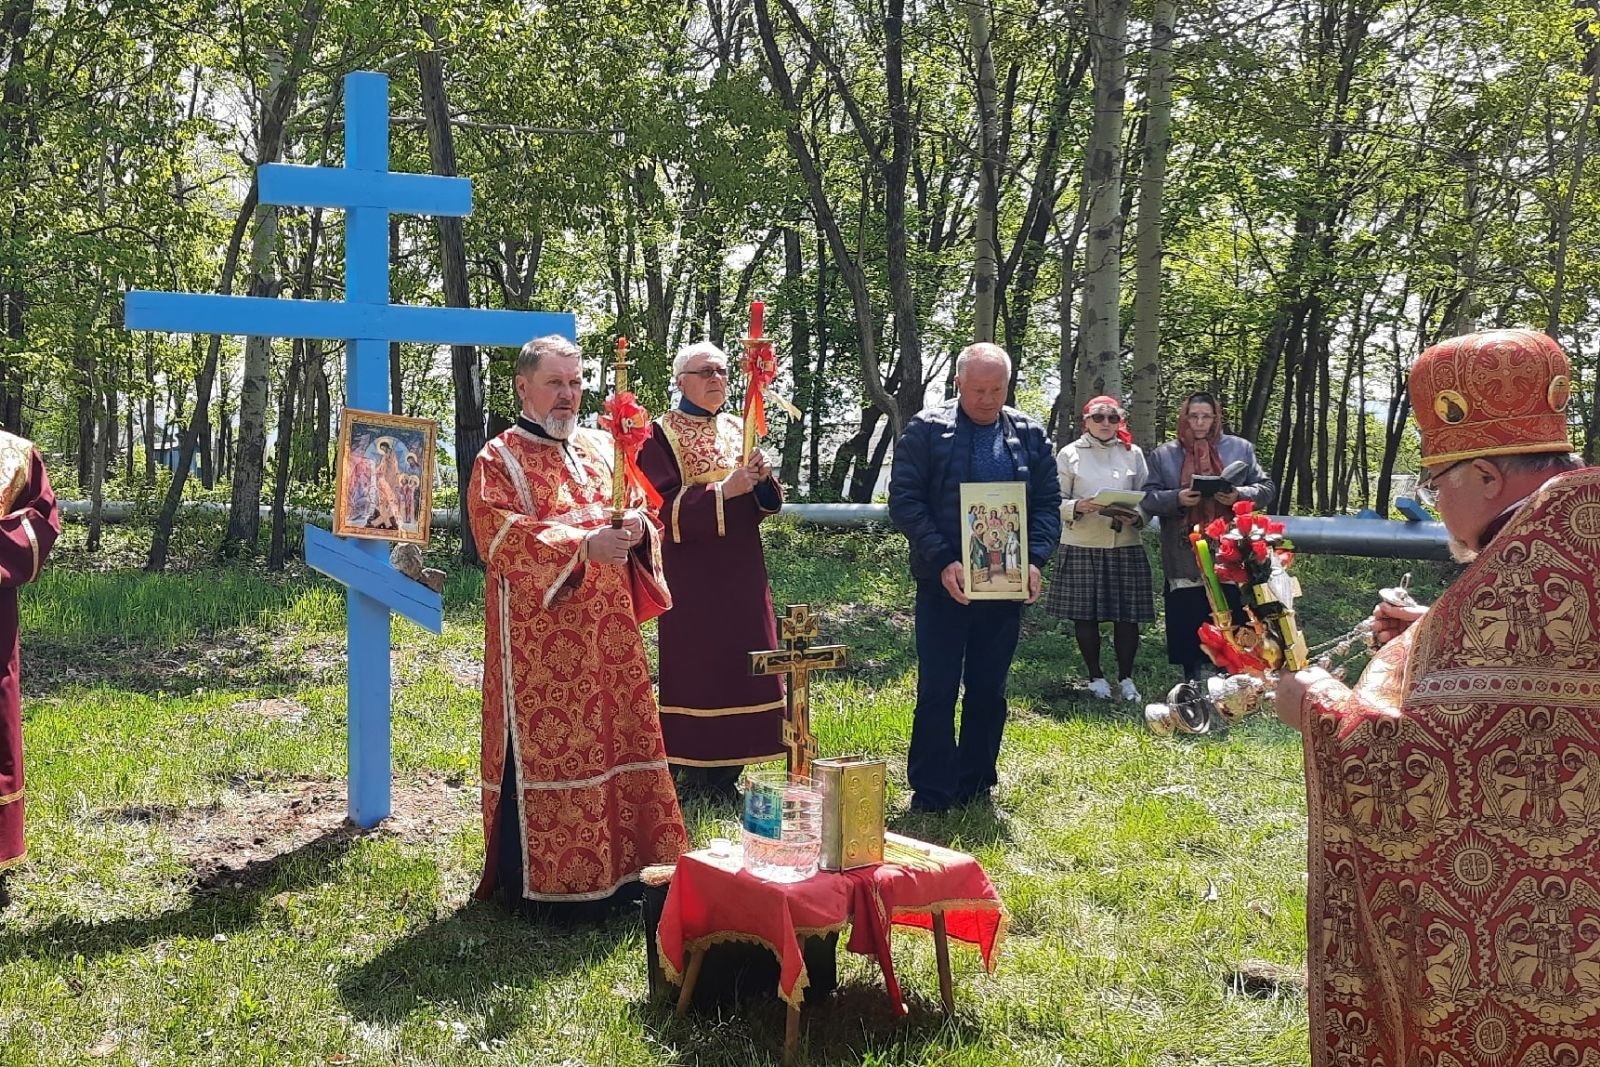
(798, 658)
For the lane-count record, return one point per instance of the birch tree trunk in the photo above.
(1144, 389)
(1101, 370)
(986, 254)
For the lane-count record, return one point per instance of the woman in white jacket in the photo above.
(1102, 573)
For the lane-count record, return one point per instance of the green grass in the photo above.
(1138, 871)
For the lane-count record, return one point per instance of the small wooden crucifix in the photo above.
(798, 658)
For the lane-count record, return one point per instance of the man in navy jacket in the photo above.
(974, 438)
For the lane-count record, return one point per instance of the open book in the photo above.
(1124, 499)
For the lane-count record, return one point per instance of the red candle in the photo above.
(757, 311)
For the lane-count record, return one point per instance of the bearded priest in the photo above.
(577, 795)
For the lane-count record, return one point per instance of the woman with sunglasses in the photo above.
(1101, 572)
(1202, 448)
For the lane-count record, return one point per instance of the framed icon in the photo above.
(995, 524)
(384, 488)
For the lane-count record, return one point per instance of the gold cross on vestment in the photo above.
(798, 658)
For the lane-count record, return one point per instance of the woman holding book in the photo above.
(1193, 480)
(1101, 572)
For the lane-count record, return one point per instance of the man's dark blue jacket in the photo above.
(933, 458)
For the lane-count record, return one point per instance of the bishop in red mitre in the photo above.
(1454, 793)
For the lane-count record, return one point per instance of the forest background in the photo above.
(1278, 200)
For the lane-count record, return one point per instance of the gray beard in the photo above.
(1462, 552)
(558, 426)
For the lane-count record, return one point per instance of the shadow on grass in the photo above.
(856, 1024)
(963, 828)
(227, 900)
(470, 954)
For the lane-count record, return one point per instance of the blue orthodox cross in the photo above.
(368, 192)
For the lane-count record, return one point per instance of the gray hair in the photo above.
(1546, 463)
(540, 347)
(688, 352)
(982, 350)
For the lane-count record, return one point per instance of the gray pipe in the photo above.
(1340, 535)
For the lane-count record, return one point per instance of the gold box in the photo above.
(852, 810)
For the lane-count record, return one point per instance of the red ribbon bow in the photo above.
(629, 423)
(760, 370)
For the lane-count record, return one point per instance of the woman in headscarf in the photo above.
(1102, 573)
(1201, 448)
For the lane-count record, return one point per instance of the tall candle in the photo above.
(758, 311)
(1208, 571)
(619, 473)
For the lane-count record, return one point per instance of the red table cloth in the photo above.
(712, 899)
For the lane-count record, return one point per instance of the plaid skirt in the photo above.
(1101, 585)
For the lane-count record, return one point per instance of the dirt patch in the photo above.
(273, 710)
(237, 842)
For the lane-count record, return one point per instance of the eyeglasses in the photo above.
(707, 373)
(1103, 417)
(1428, 483)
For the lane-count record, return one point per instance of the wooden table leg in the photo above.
(791, 1036)
(691, 975)
(941, 948)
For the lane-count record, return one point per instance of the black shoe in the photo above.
(5, 895)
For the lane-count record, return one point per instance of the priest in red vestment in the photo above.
(29, 523)
(577, 795)
(1454, 794)
(715, 715)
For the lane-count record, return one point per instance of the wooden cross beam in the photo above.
(798, 658)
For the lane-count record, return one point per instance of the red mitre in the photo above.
(1496, 393)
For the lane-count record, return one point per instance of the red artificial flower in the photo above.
(1228, 550)
(1274, 527)
(1216, 528)
(1243, 507)
(1232, 572)
(1258, 549)
(1285, 558)
(1245, 523)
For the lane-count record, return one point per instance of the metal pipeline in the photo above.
(1340, 535)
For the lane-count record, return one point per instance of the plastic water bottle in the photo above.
(782, 826)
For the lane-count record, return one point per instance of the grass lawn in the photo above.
(192, 898)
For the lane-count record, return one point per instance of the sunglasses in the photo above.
(707, 373)
(1103, 417)
(1428, 483)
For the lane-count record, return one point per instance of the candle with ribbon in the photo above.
(629, 425)
(760, 370)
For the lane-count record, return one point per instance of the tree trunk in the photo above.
(1144, 389)
(244, 508)
(1563, 219)
(277, 552)
(395, 397)
(794, 298)
(986, 252)
(464, 367)
(1100, 319)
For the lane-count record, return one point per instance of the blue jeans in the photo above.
(956, 643)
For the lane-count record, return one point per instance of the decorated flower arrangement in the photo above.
(1248, 546)
(1250, 552)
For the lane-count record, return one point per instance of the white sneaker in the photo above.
(1129, 693)
(1100, 688)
